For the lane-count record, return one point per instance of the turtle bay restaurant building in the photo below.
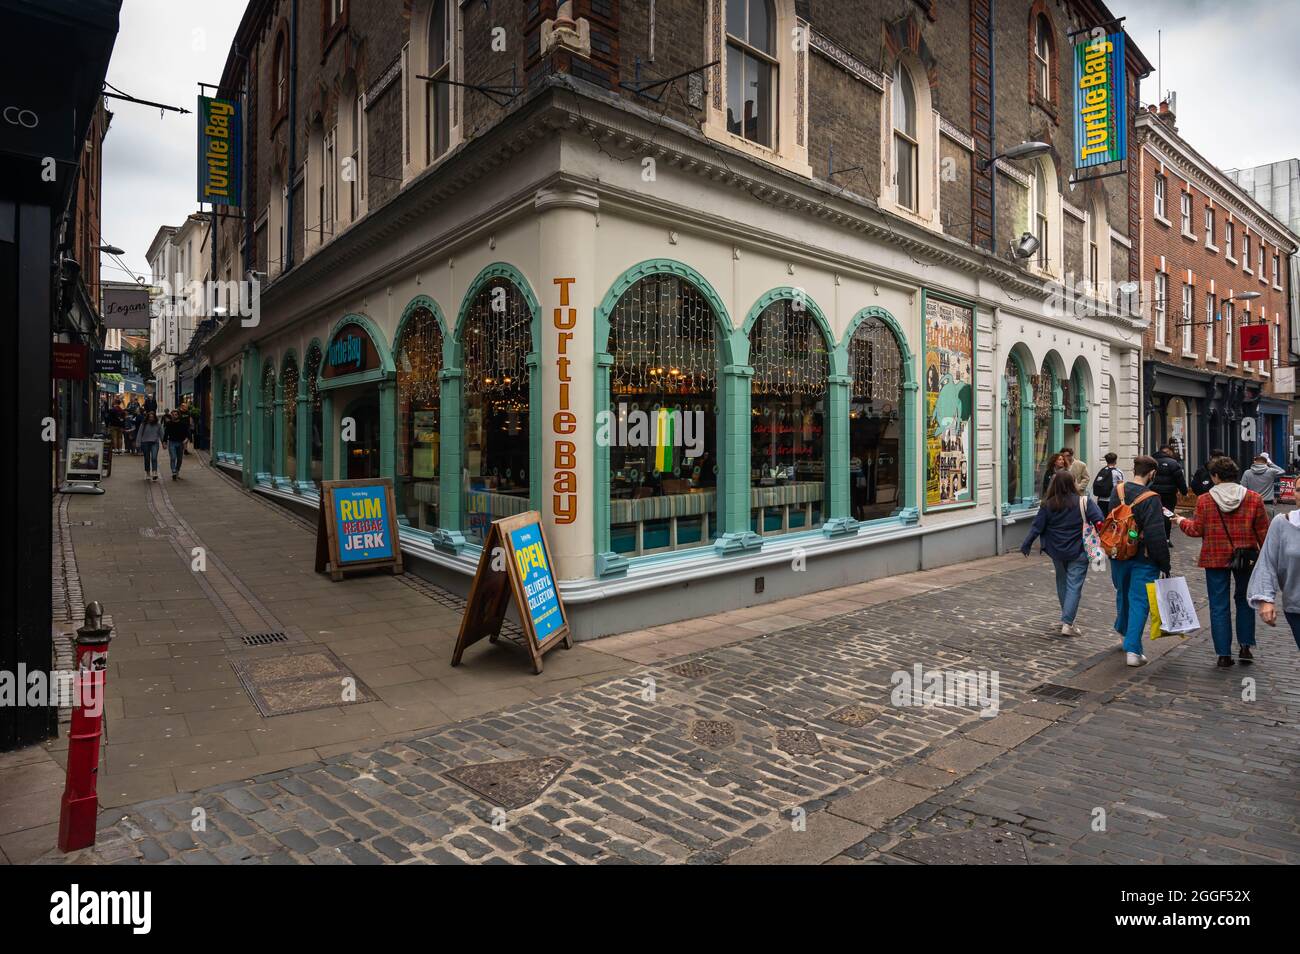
(756, 330)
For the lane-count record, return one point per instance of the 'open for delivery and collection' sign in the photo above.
(535, 577)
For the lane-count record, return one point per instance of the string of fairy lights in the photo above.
(661, 337)
(788, 352)
(419, 360)
(875, 363)
(496, 341)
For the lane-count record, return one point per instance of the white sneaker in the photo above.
(1136, 659)
(1069, 629)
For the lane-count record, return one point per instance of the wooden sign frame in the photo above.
(492, 590)
(327, 541)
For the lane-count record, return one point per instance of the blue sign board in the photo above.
(364, 523)
(1100, 101)
(529, 552)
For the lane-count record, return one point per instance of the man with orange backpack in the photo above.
(1135, 539)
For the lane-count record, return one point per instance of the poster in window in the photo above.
(949, 403)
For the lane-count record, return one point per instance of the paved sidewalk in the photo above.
(712, 757)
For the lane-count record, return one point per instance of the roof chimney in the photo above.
(1168, 110)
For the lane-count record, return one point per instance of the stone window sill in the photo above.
(1164, 349)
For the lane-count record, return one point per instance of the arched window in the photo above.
(1038, 214)
(496, 338)
(280, 75)
(1012, 398)
(752, 70)
(906, 145)
(1074, 400)
(1044, 385)
(1044, 50)
(877, 431)
(289, 391)
(788, 435)
(662, 433)
(312, 369)
(437, 100)
(268, 420)
(419, 366)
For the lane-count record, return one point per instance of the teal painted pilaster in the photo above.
(608, 563)
(733, 474)
(329, 436)
(1058, 424)
(451, 392)
(911, 511)
(388, 428)
(278, 476)
(251, 385)
(838, 519)
(302, 440)
(1028, 484)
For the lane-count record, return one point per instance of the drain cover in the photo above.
(798, 742)
(1051, 690)
(978, 846)
(263, 639)
(299, 682)
(692, 669)
(854, 715)
(510, 784)
(711, 732)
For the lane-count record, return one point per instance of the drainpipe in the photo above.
(993, 131)
(293, 121)
(999, 450)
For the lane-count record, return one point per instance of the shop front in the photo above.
(1182, 412)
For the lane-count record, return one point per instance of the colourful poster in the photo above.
(949, 403)
(529, 551)
(364, 523)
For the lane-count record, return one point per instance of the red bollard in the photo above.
(79, 809)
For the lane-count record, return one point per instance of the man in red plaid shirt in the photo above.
(1228, 518)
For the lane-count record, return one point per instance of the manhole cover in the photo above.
(1050, 690)
(511, 784)
(854, 715)
(711, 732)
(279, 685)
(692, 670)
(263, 639)
(978, 846)
(798, 742)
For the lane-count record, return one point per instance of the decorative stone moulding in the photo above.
(566, 33)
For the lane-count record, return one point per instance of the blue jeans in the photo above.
(1294, 620)
(150, 451)
(1070, 577)
(1132, 606)
(176, 451)
(1219, 582)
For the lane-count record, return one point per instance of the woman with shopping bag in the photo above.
(1062, 522)
(1232, 524)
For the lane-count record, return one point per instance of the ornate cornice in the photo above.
(846, 60)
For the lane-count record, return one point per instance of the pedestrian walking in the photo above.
(1262, 478)
(1169, 481)
(1201, 481)
(176, 432)
(116, 424)
(132, 427)
(150, 403)
(1276, 578)
(1232, 525)
(1057, 462)
(1134, 539)
(1059, 524)
(149, 437)
(1104, 484)
(1078, 470)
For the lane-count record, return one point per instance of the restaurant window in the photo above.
(877, 431)
(1044, 387)
(236, 419)
(787, 420)
(1012, 398)
(661, 429)
(419, 367)
(312, 369)
(751, 70)
(268, 419)
(496, 339)
(289, 392)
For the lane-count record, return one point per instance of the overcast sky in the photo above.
(1233, 66)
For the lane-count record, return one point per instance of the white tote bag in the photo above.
(1177, 611)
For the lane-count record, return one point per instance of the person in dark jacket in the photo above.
(1169, 481)
(1056, 463)
(176, 431)
(1059, 524)
(1151, 560)
(1104, 484)
(1201, 480)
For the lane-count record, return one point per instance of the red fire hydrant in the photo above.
(80, 806)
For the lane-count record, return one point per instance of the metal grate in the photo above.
(692, 670)
(512, 784)
(1051, 690)
(855, 715)
(712, 732)
(263, 639)
(798, 741)
(979, 846)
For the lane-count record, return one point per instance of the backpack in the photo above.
(1120, 534)
(1103, 485)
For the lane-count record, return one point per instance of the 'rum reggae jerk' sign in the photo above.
(1100, 110)
(357, 529)
(219, 146)
(515, 565)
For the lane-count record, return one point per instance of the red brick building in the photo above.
(1213, 260)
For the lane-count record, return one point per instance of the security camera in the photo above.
(1027, 246)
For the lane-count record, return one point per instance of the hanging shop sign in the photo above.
(110, 362)
(516, 564)
(126, 307)
(949, 403)
(1100, 106)
(84, 460)
(357, 527)
(68, 361)
(1254, 343)
(219, 148)
(351, 352)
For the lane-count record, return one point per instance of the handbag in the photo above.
(1243, 558)
(1091, 542)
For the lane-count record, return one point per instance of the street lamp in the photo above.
(1026, 150)
(1244, 296)
(111, 250)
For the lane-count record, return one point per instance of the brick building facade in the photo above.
(1204, 246)
(776, 214)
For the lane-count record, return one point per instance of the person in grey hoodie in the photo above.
(147, 438)
(1277, 574)
(1261, 477)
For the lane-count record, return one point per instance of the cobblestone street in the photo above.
(768, 735)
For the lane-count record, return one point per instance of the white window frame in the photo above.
(1209, 226)
(1211, 326)
(1229, 317)
(1229, 235)
(1245, 254)
(1185, 210)
(1277, 337)
(1189, 318)
(1043, 57)
(1161, 188)
(1162, 325)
